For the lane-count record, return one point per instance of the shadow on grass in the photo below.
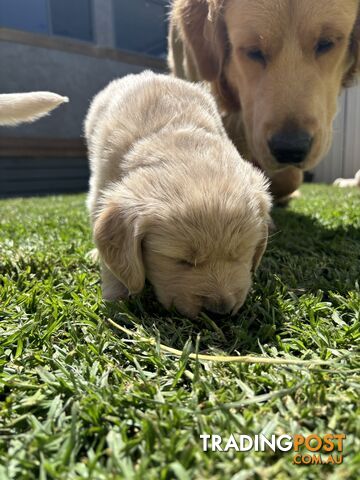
(313, 255)
(304, 257)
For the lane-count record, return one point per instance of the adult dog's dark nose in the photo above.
(290, 147)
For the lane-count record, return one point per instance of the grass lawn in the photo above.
(81, 400)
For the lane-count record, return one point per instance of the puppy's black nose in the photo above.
(290, 147)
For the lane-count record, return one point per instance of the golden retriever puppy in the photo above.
(276, 69)
(348, 182)
(170, 198)
(17, 108)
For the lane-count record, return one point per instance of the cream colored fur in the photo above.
(170, 199)
(17, 108)
(348, 182)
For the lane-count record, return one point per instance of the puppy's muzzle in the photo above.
(290, 148)
(222, 305)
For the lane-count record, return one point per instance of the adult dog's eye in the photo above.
(257, 55)
(324, 46)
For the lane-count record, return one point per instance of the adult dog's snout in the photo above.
(290, 147)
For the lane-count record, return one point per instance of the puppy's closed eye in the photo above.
(186, 263)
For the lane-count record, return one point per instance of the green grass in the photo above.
(79, 400)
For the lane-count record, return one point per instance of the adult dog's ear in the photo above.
(354, 68)
(118, 233)
(204, 33)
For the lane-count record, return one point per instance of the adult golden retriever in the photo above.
(276, 68)
(171, 199)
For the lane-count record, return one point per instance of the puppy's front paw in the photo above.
(114, 291)
(112, 288)
(93, 255)
(272, 227)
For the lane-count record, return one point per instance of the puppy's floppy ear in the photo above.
(264, 205)
(118, 233)
(260, 249)
(205, 35)
(354, 69)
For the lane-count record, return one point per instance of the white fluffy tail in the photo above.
(348, 182)
(26, 107)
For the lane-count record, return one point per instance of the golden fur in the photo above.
(273, 66)
(170, 198)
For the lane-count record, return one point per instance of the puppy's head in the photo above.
(282, 64)
(198, 252)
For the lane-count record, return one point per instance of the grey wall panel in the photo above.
(332, 165)
(352, 134)
(104, 23)
(80, 77)
(343, 159)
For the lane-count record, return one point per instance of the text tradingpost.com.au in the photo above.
(308, 449)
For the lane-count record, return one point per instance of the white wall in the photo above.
(343, 159)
